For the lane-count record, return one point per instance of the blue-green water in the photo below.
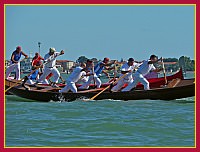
(100, 123)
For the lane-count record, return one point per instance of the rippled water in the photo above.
(100, 123)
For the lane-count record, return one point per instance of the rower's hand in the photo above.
(130, 71)
(107, 74)
(62, 52)
(114, 61)
(26, 56)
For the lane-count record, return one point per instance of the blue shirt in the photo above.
(34, 75)
(17, 56)
(98, 69)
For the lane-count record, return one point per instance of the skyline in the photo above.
(111, 31)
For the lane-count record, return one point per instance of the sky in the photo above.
(102, 31)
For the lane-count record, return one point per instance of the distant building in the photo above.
(65, 64)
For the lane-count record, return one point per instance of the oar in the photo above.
(107, 87)
(21, 79)
(63, 81)
(115, 72)
(164, 72)
(17, 62)
(93, 76)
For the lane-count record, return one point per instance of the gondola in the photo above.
(184, 88)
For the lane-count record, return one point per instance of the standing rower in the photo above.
(73, 78)
(88, 69)
(50, 60)
(15, 62)
(36, 64)
(128, 69)
(144, 69)
(98, 69)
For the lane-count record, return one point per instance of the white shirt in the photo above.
(145, 68)
(126, 67)
(52, 59)
(76, 75)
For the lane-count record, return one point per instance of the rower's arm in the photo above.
(59, 53)
(41, 58)
(26, 56)
(105, 73)
(158, 70)
(109, 68)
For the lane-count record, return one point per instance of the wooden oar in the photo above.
(17, 62)
(63, 81)
(115, 72)
(93, 76)
(107, 87)
(21, 79)
(164, 72)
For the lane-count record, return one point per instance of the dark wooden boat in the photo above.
(185, 88)
(153, 82)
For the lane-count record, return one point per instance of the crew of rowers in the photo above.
(85, 72)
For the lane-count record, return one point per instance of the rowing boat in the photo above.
(184, 88)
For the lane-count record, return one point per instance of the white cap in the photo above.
(52, 50)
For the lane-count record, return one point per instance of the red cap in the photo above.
(106, 59)
(18, 47)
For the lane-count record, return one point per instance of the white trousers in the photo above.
(47, 71)
(13, 66)
(120, 84)
(91, 78)
(137, 78)
(70, 86)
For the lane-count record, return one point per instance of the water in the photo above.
(100, 123)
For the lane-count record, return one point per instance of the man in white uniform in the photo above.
(127, 69)
(50, 60)
(88, 69)
(98, 69)
(73, 78)
(144, 69)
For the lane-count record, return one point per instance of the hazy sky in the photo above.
(99, 31)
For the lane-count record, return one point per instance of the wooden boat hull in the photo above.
(186, 88)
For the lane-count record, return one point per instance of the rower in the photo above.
(88, 69)
(15, 62)
(128, 68)
(143, 70)
(36, 63)
(98, 69)
(50, 60)
(73, 78)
